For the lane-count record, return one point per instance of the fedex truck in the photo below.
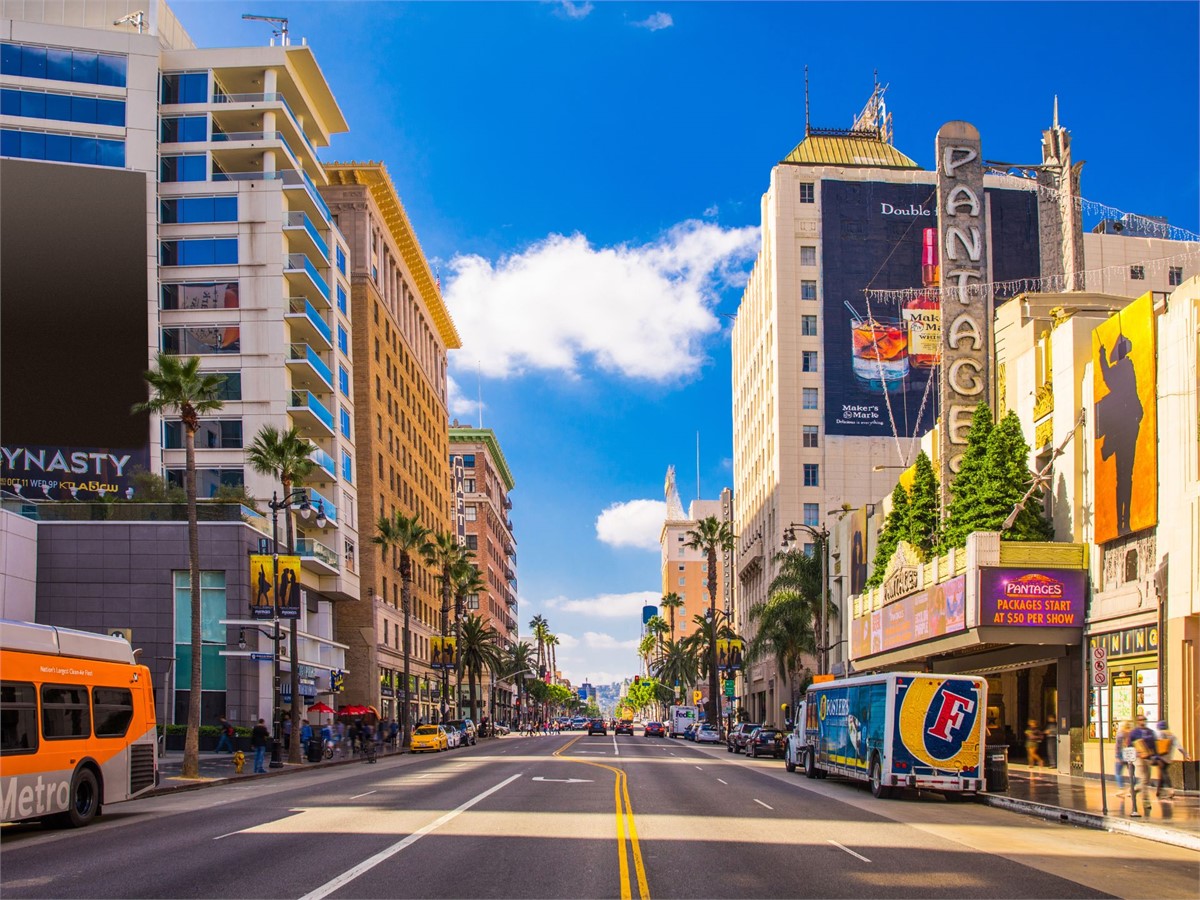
(679, 718)
(898, 729)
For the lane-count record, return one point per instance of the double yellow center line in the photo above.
(627, 835)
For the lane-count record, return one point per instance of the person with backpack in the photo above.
(1142, 740)
(226, 736)
(1166, 744)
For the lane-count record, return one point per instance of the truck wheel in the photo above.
(84, 802)
(878, 790)
(810, 764)
(787, 762)
(729, 748)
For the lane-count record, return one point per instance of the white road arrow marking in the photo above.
(562, 780)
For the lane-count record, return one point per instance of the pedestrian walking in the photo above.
(1166, 745)
(258, 740)
(1033, 742)
(287, 731)
(1123, 757)
(394, 734)
(1143, 740)
(227, 734)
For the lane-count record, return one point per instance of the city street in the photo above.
(549, 817)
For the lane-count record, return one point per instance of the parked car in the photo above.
(466, 728)
(429, 737)
(454, 738)
(654, 729)
(501, 729)
(624, 726)
(765, 741)
(707, 734)
(597, 727)
(736, 742)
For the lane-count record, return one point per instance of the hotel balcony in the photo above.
(304, 277)
(324, 461)
(310, 415)
(305, 236)
(307, 324)
(315, 497)
(316, 557)
(240, 113)
(309, 371)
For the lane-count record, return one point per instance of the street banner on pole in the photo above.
(262, 587)
(288, 591)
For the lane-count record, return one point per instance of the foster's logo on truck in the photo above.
(940, 721)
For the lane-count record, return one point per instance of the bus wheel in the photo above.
(876, 775)
(84, 802)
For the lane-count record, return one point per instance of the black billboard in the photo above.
(879, 360)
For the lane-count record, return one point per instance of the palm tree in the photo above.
(552, 648)
(711, 535)
(406, 537)
(178, 386)
(478, 647)
(465, 581)
(286, 456)
(518, 662)
(678, 667)
(672, 602)
(443, 553)
(657, 626)
(539, 627)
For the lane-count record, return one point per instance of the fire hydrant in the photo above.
(239, 761)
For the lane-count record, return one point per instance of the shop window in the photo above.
(1131, 566)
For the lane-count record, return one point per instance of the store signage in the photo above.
(1032, 598)
(901, 583)
(934, 612)
(1128, 642)
(966, 309)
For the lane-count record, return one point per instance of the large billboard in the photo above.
(934, 612)
(872, 237)
(1032, 598)
(1126, 447)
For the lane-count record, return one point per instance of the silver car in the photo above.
(708, 734)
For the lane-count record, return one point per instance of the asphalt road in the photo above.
(574, 816)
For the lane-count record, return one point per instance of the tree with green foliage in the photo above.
(895, 529)
(678, 667)
(963, 512)
(671, 602)
(924, 508)
(787, 618)
(478, 649)
(712, 536)
(1008, 478)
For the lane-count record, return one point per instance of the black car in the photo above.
(597, 727)
(736, 742)
(655, 729)
(624, 726)
(765, 741)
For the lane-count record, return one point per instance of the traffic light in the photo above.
(637, 679)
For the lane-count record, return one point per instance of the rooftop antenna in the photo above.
(136, 19)
(281, 32)
(806, 101)
(479, 390)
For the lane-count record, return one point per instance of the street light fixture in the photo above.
(276, 758)
(728, 617)
(821, 536)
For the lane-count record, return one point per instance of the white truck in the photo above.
(793, 757)
(679, 718)
(895, 730)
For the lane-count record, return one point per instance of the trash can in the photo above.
(276, 755)
(996, 768)
(314, 750)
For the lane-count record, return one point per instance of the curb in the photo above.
(285, 769)
(1097, 821)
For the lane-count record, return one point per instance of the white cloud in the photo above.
(598, 640)
(641, 311)
(656, 22)
(635, 523)
(566, 641)
(574, 10)
(460, 403)
(711, 211)
(607, 606)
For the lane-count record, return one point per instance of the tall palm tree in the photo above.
(646, 648)
(479, 647)
(518, 661)
(657, 626)
(286, 456)
(552, 646)
(539, 629)
(672, 602)
(178, 386)
(678, 667)
(465, 580)
(443, 553)
(406, 538)
(712, 535)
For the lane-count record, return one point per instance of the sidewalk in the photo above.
(1069, 798)
(218, 768)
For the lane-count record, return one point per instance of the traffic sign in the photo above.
(262, 657)
(1099, 664)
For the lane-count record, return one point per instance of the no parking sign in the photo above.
(1099, 664)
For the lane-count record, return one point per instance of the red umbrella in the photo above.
(353, 711)
(320, 708)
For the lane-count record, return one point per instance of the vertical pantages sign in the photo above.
(966, 299)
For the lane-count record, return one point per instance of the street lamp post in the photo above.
(821, 536)
(276, 758)
(300, 497)
(713, 616)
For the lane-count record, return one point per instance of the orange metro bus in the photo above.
(77, 723)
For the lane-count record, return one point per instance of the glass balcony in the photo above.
(298, 178)
(310, 412)
(309, 371)
(308, 324)
(315, 555)
(300, 264)
(330, 511)
(325, 461)
(298, 220)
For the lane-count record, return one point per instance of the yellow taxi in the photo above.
(429, 737)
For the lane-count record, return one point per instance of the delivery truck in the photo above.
(896, 730)
(679, 718)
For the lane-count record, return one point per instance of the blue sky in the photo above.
(587, 179)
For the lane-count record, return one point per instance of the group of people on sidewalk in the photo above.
(1142, 752)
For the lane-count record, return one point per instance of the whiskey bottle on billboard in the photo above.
(922, 313)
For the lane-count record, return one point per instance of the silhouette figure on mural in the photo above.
(289, 591)
(1118, 421)
(263, 596)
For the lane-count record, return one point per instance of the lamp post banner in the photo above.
(288, 589)
(262, 587)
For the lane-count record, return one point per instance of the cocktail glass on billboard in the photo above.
(880, 348)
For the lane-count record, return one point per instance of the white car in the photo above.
(454, 738)
(708, 734)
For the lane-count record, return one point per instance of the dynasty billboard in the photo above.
(1126, 447)
(880, 361)
(70, 473)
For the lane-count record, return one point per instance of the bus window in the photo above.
(18, 718)
(65, 712)
(113, 708)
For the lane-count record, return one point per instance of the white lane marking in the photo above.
(699, 768)
(426, 775)
(723, 781)
(616, 749)
(231, 834)
(760, 803)
(848, 850)
(383, 855)
(356, 796)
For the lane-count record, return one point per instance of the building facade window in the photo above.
(341, 300)
(808, 256)
(343, 339)
(193, 167)
(812, 475)
(341, 260)
(812, 514)
(70, 148)
(190, 210)
(808, 192)
(210, 480)
(469, 512)
(811, 435)
(1137, 273)
(1175, 276)
(201, 252)
(213, 434)
(184, 87)
(231, 387)
(808, 361)
(62, 107)
(347, 467)
(200, 295)
(212, 632)
(199, 341)
(808, 290)
(344, 419)
(343, 380)
(808, 326)
(78, 66)
(808, 398)
(183, 130)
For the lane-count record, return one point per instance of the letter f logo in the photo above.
(950, 716)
